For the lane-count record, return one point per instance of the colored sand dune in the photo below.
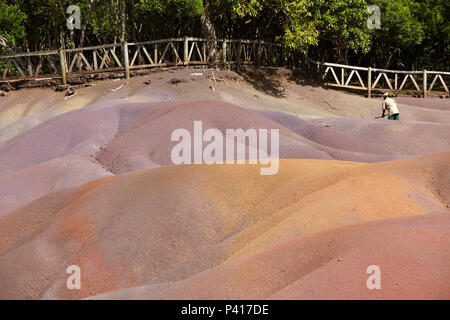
(91, 183)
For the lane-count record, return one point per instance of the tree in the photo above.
(300, 24)
(413, 34)
(12, 20)
(400, 31)
(434, 50)
(342, 27)
(167, 18)
(208, 30)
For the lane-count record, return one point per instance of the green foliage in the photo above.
(343, 22)
(175, 8)
(306, 22)
(399, 26)
(12, 21)
(155, 15)
(413, 34)
(434, 50)
(246, 8)
(297, 30)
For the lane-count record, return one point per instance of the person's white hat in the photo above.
(386, 94)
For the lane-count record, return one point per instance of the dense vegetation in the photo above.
(414, 34)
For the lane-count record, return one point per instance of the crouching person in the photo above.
(389, 107)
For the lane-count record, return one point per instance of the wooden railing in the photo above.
(383, 80)
(29, 64)
(128, 56)
(197, 51)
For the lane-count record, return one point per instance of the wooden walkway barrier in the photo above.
(383, 80)
(129, 56)
(125, 57)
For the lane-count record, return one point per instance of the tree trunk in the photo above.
(133, 21)
(122, 21)
(208, 29)
(83, 30)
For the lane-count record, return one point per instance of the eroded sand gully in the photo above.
(89, 182)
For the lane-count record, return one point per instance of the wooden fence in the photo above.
(383, 80)
(197, 51)
(128, 56)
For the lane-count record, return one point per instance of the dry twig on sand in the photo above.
(211, 76)
(69, 94)
(116, 89)
(330, 105)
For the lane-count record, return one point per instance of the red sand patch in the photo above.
(411, 252)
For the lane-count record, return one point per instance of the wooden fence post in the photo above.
(369, 83)
(62, 61)
(126, 60)
(425, 84)
(258, 53)
(186, 51)
(224, 51)
(239, 48)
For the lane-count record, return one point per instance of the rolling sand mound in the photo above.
(22, 186)
(148, 143)
(368, 140)
(412, 254)
(166, 224)
(89, 181)
(22, 110)
(119, 136)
